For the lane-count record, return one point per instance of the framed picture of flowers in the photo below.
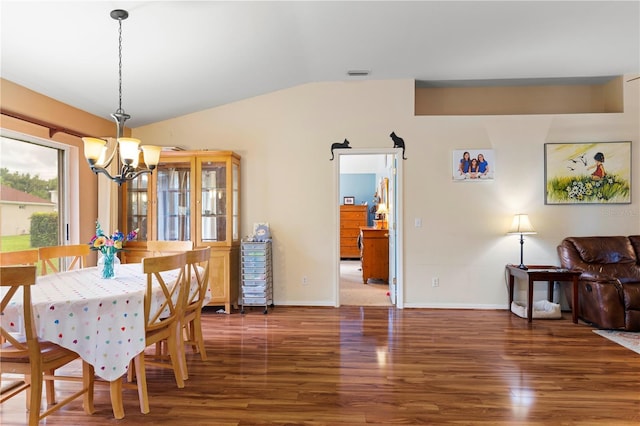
(587, 173)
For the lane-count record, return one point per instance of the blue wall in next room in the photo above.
(359, 185)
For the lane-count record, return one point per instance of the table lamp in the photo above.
(521, 225)
(381, 213)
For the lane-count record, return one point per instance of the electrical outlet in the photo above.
(435, 282)
(305, 280)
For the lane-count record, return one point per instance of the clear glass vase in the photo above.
(108, 263)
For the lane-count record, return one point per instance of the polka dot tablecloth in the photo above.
(100, 319)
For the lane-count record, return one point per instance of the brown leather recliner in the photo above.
(609, 287)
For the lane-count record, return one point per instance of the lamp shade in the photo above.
(521, 225)
(382, 208)
(93, 149)
(151, 155)
(128, 150)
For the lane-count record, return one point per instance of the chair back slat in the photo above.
(162, 248)
(77, 252)
(22, 257)
(197, 257)
(26, 345)
(169, 309)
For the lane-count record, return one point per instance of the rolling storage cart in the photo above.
(256, 275)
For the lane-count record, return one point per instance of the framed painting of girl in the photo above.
(587, 173)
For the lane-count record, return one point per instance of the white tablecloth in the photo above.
(102, 320)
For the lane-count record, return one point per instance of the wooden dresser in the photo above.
(351, 219)
(375, 254)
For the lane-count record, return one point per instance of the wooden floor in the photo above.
(381, 366)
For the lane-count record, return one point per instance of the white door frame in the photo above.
(399, 225)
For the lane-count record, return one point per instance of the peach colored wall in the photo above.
(284, 139)
(614, 95)
(17, 99)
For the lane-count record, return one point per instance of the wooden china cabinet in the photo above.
(192, 195)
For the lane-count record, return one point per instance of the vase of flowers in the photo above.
(108, 262)
(109, 246)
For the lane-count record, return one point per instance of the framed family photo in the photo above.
(473, 165)
(349, 201)
(587, 173)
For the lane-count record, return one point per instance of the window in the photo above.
(33, 191)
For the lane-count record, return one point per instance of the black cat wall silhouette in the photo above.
(398, 142)
(338, 145)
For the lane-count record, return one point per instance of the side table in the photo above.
(544, 273)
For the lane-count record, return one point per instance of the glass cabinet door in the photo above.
(173, 201)
(235, 176)
(137, 201)
(213, 201)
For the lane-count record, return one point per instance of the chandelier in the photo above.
(100, 153)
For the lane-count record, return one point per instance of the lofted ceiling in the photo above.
(185, 56)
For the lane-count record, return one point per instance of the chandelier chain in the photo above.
(120, 67)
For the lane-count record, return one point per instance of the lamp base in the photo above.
(522, 265)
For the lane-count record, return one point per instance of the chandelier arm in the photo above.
(113, 155)
(126, 173)
(135, 173)
(97, 169)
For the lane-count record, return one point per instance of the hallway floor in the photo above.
(354, 293)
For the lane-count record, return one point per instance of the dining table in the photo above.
(102, 320)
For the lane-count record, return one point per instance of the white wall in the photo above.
(363, 164)
(284, 139)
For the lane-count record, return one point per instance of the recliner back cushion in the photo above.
(635, 242)
(604, 250)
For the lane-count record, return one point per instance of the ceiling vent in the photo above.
(358, 73)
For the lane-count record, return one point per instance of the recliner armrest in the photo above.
(597, 277)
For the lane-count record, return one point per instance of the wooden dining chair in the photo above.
(162, 247)
(162, 321)
(198, 269)
(36, 360)
(50, 257)
(22, 257)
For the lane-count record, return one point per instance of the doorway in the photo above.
(372, 181)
